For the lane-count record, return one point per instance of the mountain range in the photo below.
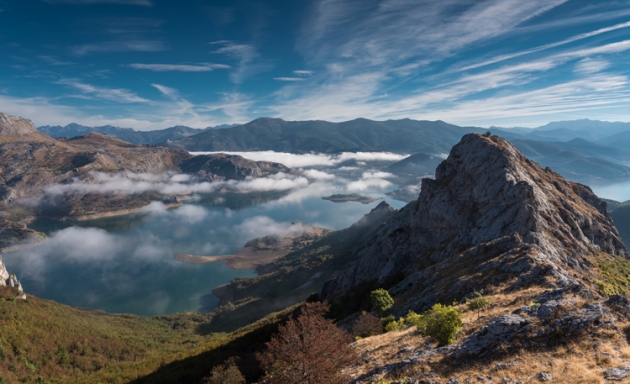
(32, 162)
(588, 151)
(153, 137)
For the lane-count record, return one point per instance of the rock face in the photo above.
(8, 279)
(15, 126)
(221, 166)
(491, 216)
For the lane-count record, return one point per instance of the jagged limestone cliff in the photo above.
(8, 279)
(490, 217)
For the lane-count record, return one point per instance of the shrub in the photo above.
(226, 373)
(367, 325)
(381, 301)
(478, 303)
(62, 356)
(441, 322)
(308, 349)
(395, 325)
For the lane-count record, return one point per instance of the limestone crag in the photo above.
(8, 279)
(491, 216)
(15, 126)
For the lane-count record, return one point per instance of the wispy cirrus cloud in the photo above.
(579, 37)
(205, 67)
(53, 60)
(110, 94)
(119, 46)
(289, 78)
(248, 59)
(589, 65)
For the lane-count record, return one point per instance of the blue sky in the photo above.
(150, 64)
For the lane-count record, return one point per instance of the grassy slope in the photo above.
(43, 341)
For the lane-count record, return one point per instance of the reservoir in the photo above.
(127, 264)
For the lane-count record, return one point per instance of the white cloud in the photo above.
(288, 78)
(206, 67)
(292, 160)
(581, 36)
(365, 184)
(171, 93)
(588, 66)
(259, 226)
(248, 59)
(110, 94)
(302, 72)
(167, 184)
(119, 46)
(318, 175)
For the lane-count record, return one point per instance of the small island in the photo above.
(260, 252)
(342, 198)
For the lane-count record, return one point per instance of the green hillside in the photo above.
(46, 342)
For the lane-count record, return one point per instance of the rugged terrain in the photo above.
(544, 250)
(489, 209)
(34, 167)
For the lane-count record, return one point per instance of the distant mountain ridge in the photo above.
(264, 134)
(130, 135)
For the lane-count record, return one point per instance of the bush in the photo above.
(478, 303)
(381, 301)
(308, 349)
(441, 322)
(395, 325)
(226, 373)
(367, 325)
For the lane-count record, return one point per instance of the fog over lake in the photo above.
(127, 264)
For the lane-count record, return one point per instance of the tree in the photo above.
(308, 349)
(478, 303)
(367, 325)
(441, 322)
(226, 373)
(381, 301)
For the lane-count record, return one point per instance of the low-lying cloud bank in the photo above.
(166, 184)
(293, 160)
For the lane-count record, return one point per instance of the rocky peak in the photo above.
(490, 217)
(377, 214)
(15, 126)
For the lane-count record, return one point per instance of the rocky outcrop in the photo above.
(8, 279)
(15, 126)
(221, 166)
(491, 216)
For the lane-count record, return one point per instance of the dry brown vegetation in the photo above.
(309, 349)
(574, 360)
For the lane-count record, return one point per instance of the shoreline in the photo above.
(121, 212)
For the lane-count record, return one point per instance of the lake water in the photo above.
(126, 264)
(613, 191)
